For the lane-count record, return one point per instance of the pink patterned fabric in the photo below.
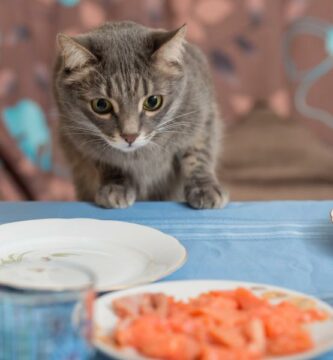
(243, 40)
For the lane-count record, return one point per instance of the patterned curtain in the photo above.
(245, 41)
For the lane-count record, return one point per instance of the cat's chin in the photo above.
(128, 148)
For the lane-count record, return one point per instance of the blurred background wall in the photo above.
(272, 66)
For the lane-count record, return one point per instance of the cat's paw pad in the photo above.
(209, 196)
(115, 196)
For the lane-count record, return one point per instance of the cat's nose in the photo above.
(130, 138)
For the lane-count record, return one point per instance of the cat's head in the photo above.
(119, 84)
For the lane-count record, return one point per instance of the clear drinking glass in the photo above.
(45, 311)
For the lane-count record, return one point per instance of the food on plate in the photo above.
(217, 325)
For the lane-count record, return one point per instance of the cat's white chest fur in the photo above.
(140, 168)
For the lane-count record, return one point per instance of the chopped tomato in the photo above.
(218, 325)
(291, 343)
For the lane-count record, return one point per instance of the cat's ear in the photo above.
(169, 48)
(74, 54)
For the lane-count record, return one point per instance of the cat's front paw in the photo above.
(207, 196)
(115, 196)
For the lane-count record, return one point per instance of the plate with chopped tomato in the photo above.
(212, 320)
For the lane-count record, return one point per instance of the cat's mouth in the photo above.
(122, 145)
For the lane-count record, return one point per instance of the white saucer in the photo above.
(120, 254)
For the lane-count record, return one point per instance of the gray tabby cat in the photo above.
(138, 118)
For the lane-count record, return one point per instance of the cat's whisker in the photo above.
(183, 122)
(77, 127)
(165, 122)
(172, 126)
(180, 127)
(175, 126)
(103, 151)
(83, 132)
(94, 138)
(170, 131)
(174, 123)
(176, 117)
(72, 129)
(95, 141)
(160, 147)
(182, 115)
(170, 121)
(189, 113)
(86, 137)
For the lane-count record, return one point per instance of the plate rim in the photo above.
(183, 254)
(302, 356)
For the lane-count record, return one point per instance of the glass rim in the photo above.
(13, 287)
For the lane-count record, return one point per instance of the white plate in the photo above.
(105, 319)
(120, 254)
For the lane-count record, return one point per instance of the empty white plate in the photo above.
(120, 254)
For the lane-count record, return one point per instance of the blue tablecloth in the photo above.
(287, 243)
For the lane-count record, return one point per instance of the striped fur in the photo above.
(175, 153)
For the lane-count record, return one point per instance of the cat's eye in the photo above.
(101, 106)
(152, 103)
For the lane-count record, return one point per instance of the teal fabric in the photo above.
(329, 41)
(288, 244)
(26, 122)
(69, 2)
